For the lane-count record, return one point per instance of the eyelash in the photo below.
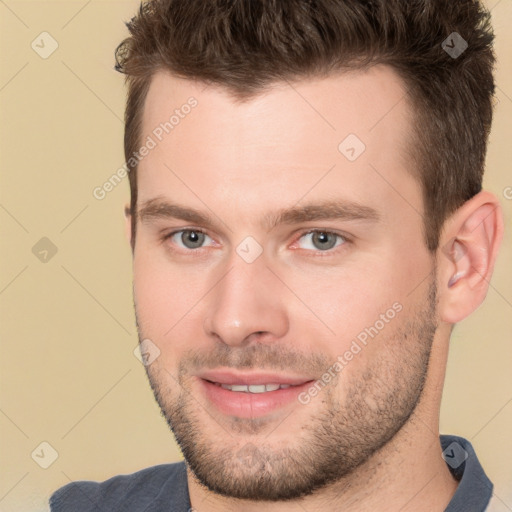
(316, 253)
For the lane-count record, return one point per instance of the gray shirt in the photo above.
(164, 488)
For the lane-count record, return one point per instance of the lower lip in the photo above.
(250, 405)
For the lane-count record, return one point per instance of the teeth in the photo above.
(254, 388)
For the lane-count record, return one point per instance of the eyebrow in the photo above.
(160, 208)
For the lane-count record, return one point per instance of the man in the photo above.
(307, 225)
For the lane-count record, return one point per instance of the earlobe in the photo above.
(469, 247)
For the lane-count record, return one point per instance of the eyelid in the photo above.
(173, 232)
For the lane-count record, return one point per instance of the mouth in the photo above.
(251, 395)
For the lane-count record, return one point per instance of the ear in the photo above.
(468, 248)
(128, 223)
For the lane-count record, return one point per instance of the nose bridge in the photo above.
(246, 301)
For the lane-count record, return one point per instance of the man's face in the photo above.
(256, 298)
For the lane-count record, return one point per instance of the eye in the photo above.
(188, 238)
(316, 240)
(322, 240)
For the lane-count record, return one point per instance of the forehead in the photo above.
(281, 144)
(346, 102)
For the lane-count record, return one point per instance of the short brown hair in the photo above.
(244, 45)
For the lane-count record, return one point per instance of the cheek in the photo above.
(164, 296)
(363, 304)
(346, 300)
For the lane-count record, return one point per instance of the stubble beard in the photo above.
(337, 439)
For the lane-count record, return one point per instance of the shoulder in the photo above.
(125, 492)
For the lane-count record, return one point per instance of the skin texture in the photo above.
(369, 439)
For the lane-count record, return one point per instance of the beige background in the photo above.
(68, 373)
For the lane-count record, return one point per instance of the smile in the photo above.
(253, 388)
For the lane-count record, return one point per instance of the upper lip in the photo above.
(248, 378)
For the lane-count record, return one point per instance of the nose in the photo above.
(248, 304)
